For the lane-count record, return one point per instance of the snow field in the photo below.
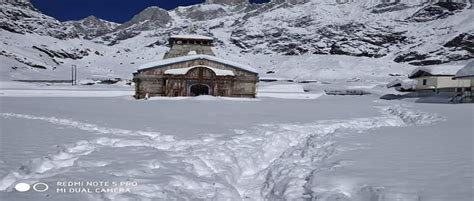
(63, 93)
(267, 161)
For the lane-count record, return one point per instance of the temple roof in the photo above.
(166, 62)
(197, 37)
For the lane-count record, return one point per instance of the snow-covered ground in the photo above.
(292, 142)
(281, 147)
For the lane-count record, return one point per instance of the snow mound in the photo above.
(61, 93)
(282, 88)
(300, 96)
(203, 98)
(286, 91)
(412, 117)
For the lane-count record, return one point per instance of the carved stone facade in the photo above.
(194, 74)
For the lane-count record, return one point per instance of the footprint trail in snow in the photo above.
(270, 161)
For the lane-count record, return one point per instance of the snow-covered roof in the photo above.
(466, 71)
(183, 71)
(402, 84)
(394, 83)
(441, 70)
(169, 61)
(199, 37)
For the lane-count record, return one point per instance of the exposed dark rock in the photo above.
(345, 92)
(38, 66)
(98, 53)
(109, 81)
(382, 39)
(238, 43)
(426, 62)
(21, 60)
(464, 41)
(388, 6)
(411, 56)
(303, 22)
(394, 75)
(451, 6)
(436, 11)
(458, 57)
(8, 27)
(220, 25)
(430, 13)
(62, 54)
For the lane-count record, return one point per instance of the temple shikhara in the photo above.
(190, 68)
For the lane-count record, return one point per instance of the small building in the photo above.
(466, 74)
(190, 68)
(438, 79)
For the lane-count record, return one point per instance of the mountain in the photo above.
(402, 31)
(359, 29)
(227, 2)
(92, 27)
(150, 18)
(203, 12)
(21, 17)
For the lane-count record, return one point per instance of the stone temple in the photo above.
(190, 68)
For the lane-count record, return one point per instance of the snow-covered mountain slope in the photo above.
(21, 17)
(30, 56)
(359, 29)
(150, 18)
(413, 32)
(227, 2)
(91, 27)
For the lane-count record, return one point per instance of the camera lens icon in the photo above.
(38, 187)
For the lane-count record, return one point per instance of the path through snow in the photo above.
(270, 161)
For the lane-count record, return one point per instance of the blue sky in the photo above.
(112, 10)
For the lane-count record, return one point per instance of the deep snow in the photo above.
(206, 148)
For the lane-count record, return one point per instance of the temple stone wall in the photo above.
(185, 49)
(155, 82)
